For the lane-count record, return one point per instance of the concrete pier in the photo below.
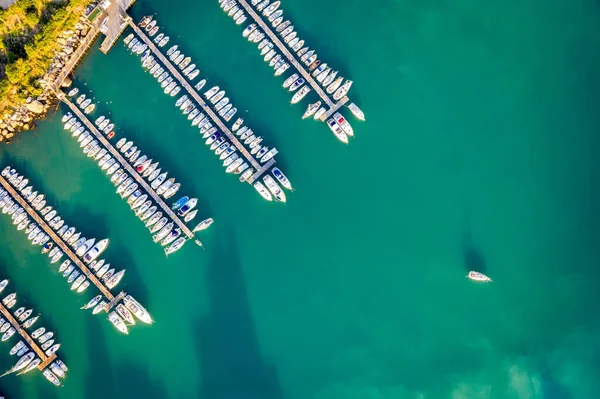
(176, 74)
(57, 239)
(127, 166)
(46, 360)
(293, 61)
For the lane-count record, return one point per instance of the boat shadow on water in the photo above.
(473, 259)
(226, 345)
(120, 257)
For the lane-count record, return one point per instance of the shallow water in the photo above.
(478, 153)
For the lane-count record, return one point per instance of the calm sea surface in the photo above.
(479, 152)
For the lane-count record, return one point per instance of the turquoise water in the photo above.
(478, 153)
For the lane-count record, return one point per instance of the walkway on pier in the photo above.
(184, 83)
(127, 166)
(58, 240)
(46, 360)
(117, 22)
(292, 60)
(76, 56)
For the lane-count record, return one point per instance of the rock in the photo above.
(36, 107)
(26, 126)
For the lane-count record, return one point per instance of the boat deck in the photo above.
(192, 92)
(128, 167)
(333, 106)
(57, 239)
(46, 360)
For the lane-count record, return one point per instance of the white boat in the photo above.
(99, 307)
(51, 377)
(118, 322)
(274, 188)
(337, 130)
(263, 191)
(290, 80)
(93, 302)
(320, 113)
(115, 279)
(356, 111)
(125, 314)
(341, 92)
(137, 309)
(203, 225)
(38, 332)
(281, 178)
(343, 124)
(175, 246)
(476, 276)
(300, 94)
(311, 109)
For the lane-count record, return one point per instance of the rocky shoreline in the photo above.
(23, 116)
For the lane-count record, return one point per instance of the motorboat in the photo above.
(337, 130)
(480, 277)
(311, 109)
(137, 309)
(175, 246)
(96, 251)
(343, 124)
(263, 191)
(357, 112)
(281, 178)
(125, 314)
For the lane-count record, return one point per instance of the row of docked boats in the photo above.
(219, 142)
(149, 24)
(128, 188)
(29, 358)
(88, 250)
(83, 102)
(125, 313)
(324, 75)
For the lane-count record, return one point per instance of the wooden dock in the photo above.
(116, 23)
(192, 92)
(333, 106)
(46, 360)
(127, 166)
(57, 239)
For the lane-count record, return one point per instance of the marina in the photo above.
(332, 104)
(78, 250)
(118, 157)
(259, 169)
(31, 354)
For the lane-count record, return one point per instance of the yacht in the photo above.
(341, 92)
(175, 246)
(73, 276)
(85, 247)
(115, 279)
(271, 9)
(188, 206)
(158, 38)
(153, 220)
(30, 322)
(296, 85)
(290, 80)
(125, 314)
(300, 94)
(476, 276)
(99, 307)
(193, 74)
(237, 124)
(93, 302)
(230, 114)
(320, 113)
(268, 155)
(73, 92)
(117, 321)
(275, 23)
(311, 109)
(335, 85)
(330, 77)
(283, 26)
(281, 178)
(356, 111)
(343, 124)
(321, 77)
(319, 69)
(137, 309)
(263, 191)
(172, 50)
(296, 47)
(78, 282)
(200, 84)
(337, 130)
(249, 29)
(96, 251)
(164, 41)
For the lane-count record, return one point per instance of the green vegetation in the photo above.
(94, 14)
(29, 32)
